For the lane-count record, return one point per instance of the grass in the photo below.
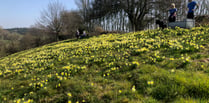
(151, 66)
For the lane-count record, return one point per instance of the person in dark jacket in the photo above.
(77, 34)
(173, 10)
(191, 8)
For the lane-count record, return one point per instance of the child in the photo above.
(173, 10)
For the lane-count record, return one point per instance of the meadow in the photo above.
(152, 66)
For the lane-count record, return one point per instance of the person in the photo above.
(77, 34)
(173, 10)
(84, 34)
(161, 24)
(191, 8)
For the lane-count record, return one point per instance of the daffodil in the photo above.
(133, 89)
(92, 84)
(120, 91)
(69, 101)
(172, 70)
(150, 82)
(69, 94)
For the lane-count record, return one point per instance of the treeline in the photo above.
(12, 42)
(133, 15)
(18, 30)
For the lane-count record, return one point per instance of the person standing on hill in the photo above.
(173, 10)
(77, 34)
(191, 9)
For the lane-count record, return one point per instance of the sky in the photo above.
(25, 13)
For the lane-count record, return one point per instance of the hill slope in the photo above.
(147, 66)
(21, 31)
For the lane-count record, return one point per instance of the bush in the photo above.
(97, 31)
(27, 42)
(202, 20)
(12, 47)
(165, 92)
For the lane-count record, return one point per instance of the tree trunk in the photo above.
(137, 24)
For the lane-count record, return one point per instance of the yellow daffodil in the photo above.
(133, 89)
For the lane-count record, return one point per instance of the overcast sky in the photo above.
(24, 13)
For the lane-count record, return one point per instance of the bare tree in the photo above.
(134, 10)
(85, 9)
(83, 6)
(204, 8)
(51, 18)
(71, 22)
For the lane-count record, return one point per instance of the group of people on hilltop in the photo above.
(190, 15)
(80, 34)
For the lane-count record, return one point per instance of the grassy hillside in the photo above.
(143, 67)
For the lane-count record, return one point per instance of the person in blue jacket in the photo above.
(191, 8)
(173, 10)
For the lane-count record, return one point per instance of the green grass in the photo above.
(151, 66)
